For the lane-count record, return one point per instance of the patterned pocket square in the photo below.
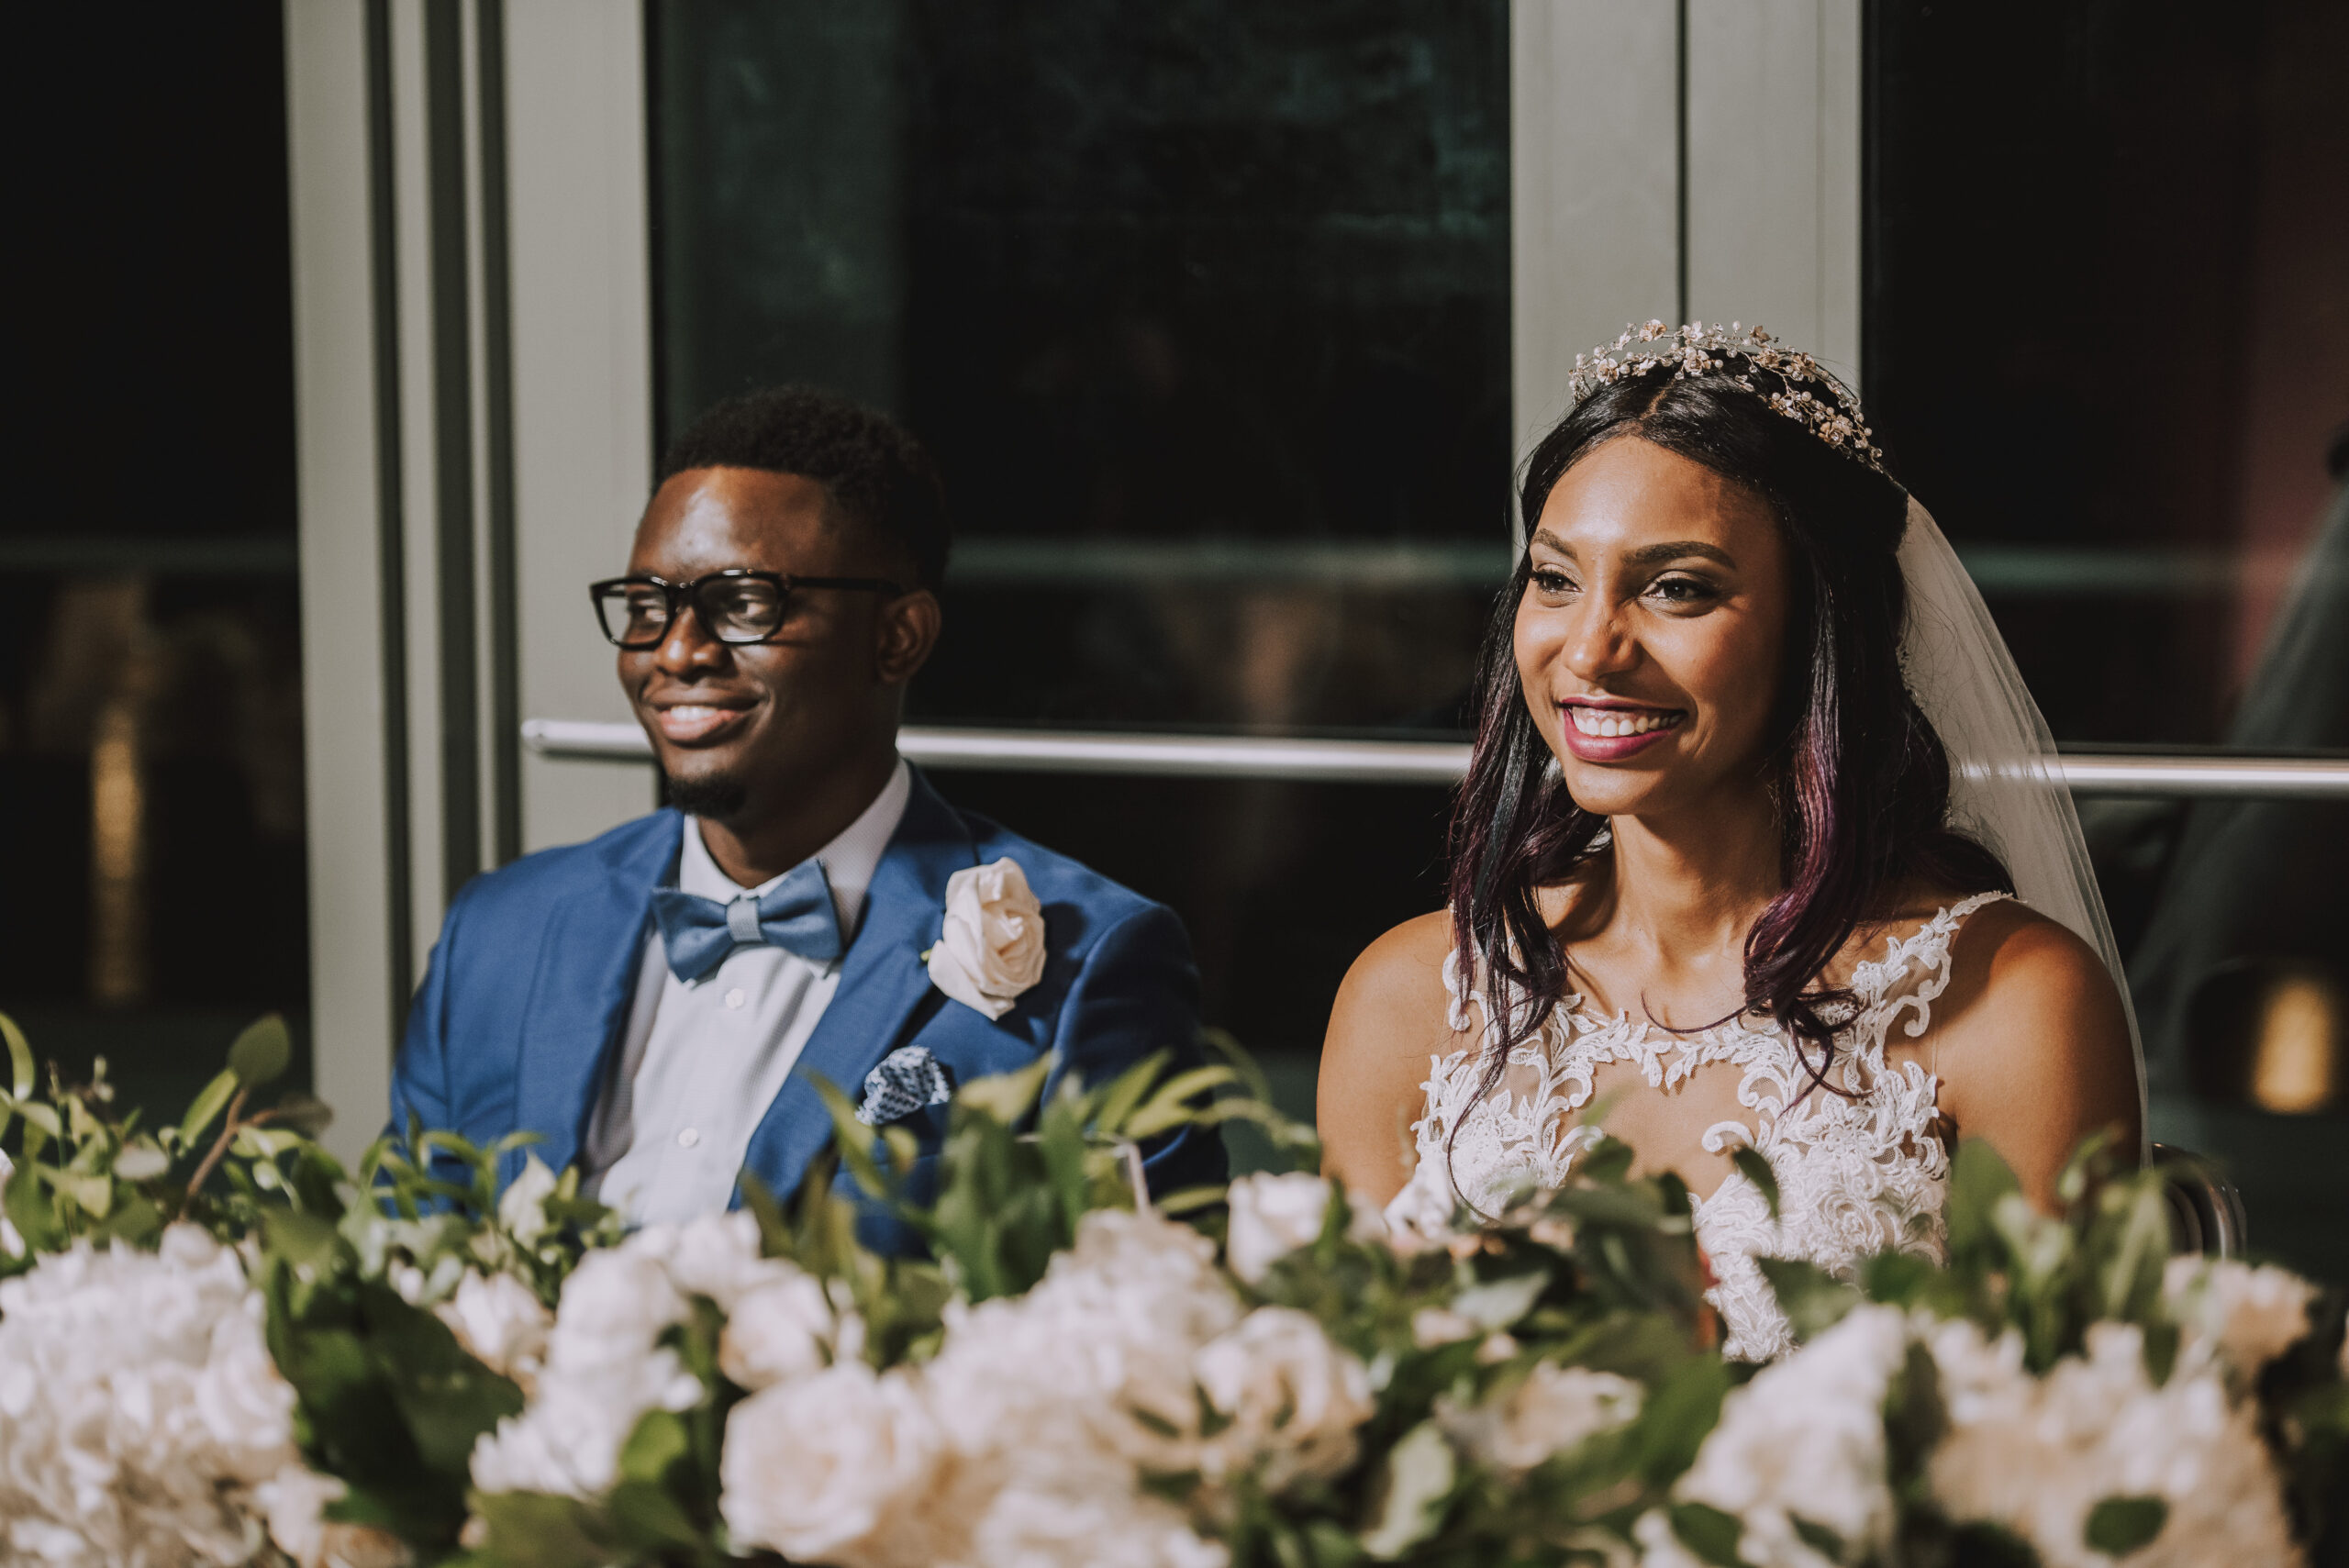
(909, 1079)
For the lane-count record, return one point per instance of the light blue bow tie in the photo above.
(796, 915)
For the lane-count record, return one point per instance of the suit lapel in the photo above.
(584, 983)
(883, 980)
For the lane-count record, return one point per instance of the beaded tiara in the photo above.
(1831, 412)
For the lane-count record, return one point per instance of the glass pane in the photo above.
(150, 697)
(2108, 341)
(1204, 309)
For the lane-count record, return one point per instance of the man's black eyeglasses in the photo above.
(737, 606)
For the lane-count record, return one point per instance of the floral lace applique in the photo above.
(1857, 1171)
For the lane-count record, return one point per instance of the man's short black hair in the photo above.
(870, 465)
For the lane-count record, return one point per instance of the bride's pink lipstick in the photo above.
(1653, 725)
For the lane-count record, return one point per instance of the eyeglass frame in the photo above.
(681, 596)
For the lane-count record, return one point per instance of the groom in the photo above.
(656, 1003)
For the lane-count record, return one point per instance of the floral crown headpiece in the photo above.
(1697, 349)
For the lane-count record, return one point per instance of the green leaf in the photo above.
(303, 1113)
(1125, 1092)
(93, 1194)
(261, 1053)
(2119, 1526)
(1499, 1303)
(1169, 1106)
(210, 1103)
(141, 1162)
(1812, 1299)
(42, 1117)
(1006, 1097)
(1819, 1538)
(649, 1520)
(20, 1059)
(528, 1529)
(1754, 1166)
(1978, 1178)
(1418, 1479)
(1684, 1407)
(856, 1143)
(1708, 1532)
(659, 1440)
(1978, 1543)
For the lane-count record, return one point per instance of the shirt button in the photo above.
(734, 998)
(688, 1138)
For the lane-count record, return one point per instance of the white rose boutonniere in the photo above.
(992, 947)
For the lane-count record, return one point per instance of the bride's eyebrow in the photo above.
(1652, 554)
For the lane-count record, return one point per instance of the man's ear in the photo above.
(904, 634)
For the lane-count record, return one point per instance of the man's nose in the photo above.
(688, 647)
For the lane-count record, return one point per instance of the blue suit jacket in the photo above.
(530, 983)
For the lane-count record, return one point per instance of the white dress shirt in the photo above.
(703, 1059)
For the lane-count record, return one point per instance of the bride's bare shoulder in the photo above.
(1397, 979)
(1390, 1020)
(2031, 1040)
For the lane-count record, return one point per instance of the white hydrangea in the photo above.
(1273, 1216)
(2245, 1316)
(834, 1467)
(501, 1323)
(1805, 1438)
(295, 1503)
(2037, 1454)
(1551, 1410)
(1293, 1400)
(140, 1410)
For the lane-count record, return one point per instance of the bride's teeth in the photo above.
(1606, 726)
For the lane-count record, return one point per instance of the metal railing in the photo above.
(1412, 761)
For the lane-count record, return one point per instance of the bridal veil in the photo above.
(2007, 785)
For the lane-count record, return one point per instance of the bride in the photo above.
(1714, 880)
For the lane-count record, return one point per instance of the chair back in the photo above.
(2205, 1211)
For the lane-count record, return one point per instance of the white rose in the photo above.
(604, 1371)
(1551, 1411)
(1805, 1438)
(2245, 1315)
(993, 946)
(716, 1256)
(783, 1329)
(1295, 1399)
(522, 1208)
(501, 1323)
(2036, 1454)
(1273, 1216)
(622, 1295)
(829, 1468)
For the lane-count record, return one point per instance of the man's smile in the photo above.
(697, 720)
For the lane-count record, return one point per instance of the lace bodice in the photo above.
(1857, 1171)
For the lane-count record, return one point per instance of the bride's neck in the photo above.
(1698, 878)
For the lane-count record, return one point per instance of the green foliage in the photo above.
(85, 1170)
(2048, 1277)
(2119, 1526)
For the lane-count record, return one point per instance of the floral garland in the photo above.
(217, 1346)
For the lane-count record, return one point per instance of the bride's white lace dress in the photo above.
(1858, 1171)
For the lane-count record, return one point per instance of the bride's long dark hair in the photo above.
(1859, 779)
